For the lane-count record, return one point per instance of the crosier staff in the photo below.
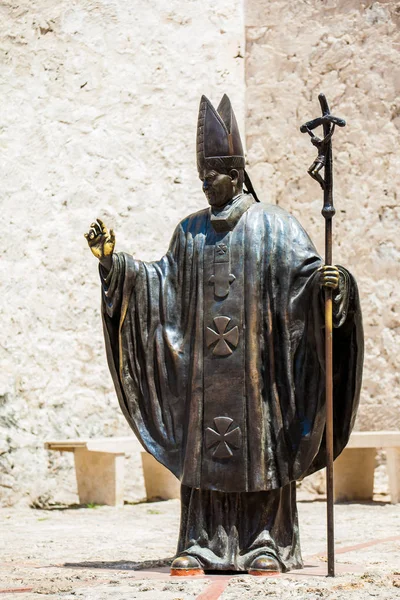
(324, 160)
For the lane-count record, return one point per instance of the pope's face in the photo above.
(218, 188)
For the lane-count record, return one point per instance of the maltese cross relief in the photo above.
(224, 340)
(223, 438)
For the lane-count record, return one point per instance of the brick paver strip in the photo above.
(393, 538)
(15, 590)
(215, 589)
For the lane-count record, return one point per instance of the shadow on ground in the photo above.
(123, 565)
(62, 507)
(93, 505)
(347, 502)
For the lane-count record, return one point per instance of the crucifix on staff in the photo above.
(324, 161)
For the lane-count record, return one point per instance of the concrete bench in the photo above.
(354, 468)
(99, 467)
(100, 470)
(159, 482)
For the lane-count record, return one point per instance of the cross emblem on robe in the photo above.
(221, 249)
(222, 277)
(225, 339)
(223, 439)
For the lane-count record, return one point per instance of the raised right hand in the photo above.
(101, 242)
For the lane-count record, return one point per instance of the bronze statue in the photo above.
(217, 356)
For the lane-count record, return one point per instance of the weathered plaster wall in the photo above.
(98, 117)
(350, 51)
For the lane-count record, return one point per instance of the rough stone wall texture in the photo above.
(98, 112)
(98, 117)
(350, 51)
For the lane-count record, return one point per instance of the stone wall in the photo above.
(98, 115)
(348, 50)
(98, 118)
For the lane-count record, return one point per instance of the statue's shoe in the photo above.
(186, 566)
(265, 566)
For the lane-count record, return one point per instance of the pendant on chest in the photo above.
(222, 278)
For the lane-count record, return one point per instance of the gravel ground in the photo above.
(98, 553)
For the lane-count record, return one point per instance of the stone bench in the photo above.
(100, 470)
(354, 468)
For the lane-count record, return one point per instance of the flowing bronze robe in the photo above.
(217, 350)
(155, 320)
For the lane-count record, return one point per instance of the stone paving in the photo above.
(104, 553)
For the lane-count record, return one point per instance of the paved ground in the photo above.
(121, 554)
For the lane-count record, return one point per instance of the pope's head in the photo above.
(220, 156)
(220, 187)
